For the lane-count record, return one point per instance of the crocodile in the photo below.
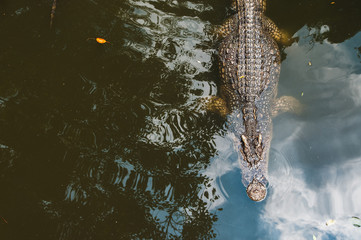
(249, 60)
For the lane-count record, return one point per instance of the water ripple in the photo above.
(280, 165)
(176, 40)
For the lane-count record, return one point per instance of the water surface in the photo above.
(111, 141)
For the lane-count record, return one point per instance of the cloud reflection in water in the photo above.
(305, 209)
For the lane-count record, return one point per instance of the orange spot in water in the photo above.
(101, 40)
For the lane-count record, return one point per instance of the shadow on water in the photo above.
(340, 16)
(110, 142)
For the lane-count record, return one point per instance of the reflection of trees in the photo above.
(86, 146)
(78, 161)
(343, 17)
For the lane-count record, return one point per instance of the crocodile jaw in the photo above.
(255, 176)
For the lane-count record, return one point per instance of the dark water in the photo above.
(111, 142)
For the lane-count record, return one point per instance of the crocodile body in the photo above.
(249, 67)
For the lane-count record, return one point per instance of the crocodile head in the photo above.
(253, 157)
(252, 151)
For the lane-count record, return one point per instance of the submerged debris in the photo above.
(356, 221)
(4, 220)
(330, 222)
(52, 14)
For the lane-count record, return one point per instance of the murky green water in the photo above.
(110, 141)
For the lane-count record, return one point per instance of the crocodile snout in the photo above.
(256, 191)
